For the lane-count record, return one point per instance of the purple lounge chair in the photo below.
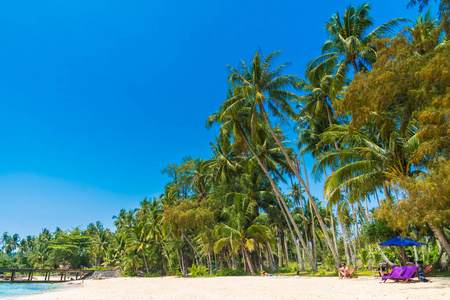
(409, 273)
(395, 272)
(406, 274)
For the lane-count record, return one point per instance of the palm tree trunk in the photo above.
(416, 255)
(313, 238)
(181, 260)
(280, 255)
(192, 246)
(162, 258)
(439, 235)
(386, 191)
(210, 263)
(227, 258)
(367, 209)
(384, 257)
(283, 245)
(355, 66)
(301, 266)
(352, 246)
(333, 229)
(270, 261)
(378, 198)
(301, 197)
(329, 119)
(398, 255)
(287, 214)
(145, 261)
(441, 259)
(344, 238)
(168, 260)
(302, 182)
(261, 263)
(355, 219)
(249, 261)
(233, 259)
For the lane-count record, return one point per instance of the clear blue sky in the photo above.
(99, 96)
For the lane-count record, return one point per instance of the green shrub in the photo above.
(284, 270)
(195, 270)
(364, 256)
(128, 273)
(156, 274)
(230, 272)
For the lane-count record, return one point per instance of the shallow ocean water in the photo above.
(10, 290)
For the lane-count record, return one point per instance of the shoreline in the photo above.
(247, 287)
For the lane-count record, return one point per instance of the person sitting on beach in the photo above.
(342, 271)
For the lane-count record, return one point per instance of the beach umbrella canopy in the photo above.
(401, 241)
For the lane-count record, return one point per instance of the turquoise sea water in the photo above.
(11, 290)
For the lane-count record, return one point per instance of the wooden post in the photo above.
(13, 273)
(65, 275)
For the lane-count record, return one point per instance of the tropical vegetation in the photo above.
(372, 114)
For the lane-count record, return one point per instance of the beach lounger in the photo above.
(395, 272)
(407, 274)
(428, 269)
(351, 273)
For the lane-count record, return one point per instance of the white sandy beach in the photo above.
(292, 287)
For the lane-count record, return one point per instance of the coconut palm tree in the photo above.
(237, 125)
(320, 93)
(138, 241)
(260, 85)
(243, 228)
(124, 220)
(426, 33)
(365, 161)
(350, 42)
(225, 162)
(157, 228)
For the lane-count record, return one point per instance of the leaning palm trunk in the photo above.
(260, 260)
(278, 196)
(301, 266)
(192, 246)
(355, 219)
(284, 248)
(302, 182)
(248, 260)
(333, 229)
(439, 235)
(280, 255)
(313, 236)
(297, 248)
(145, 261)
(347, 254)
(269, 256)
(352, 246)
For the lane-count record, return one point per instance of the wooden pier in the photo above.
(59, 275)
